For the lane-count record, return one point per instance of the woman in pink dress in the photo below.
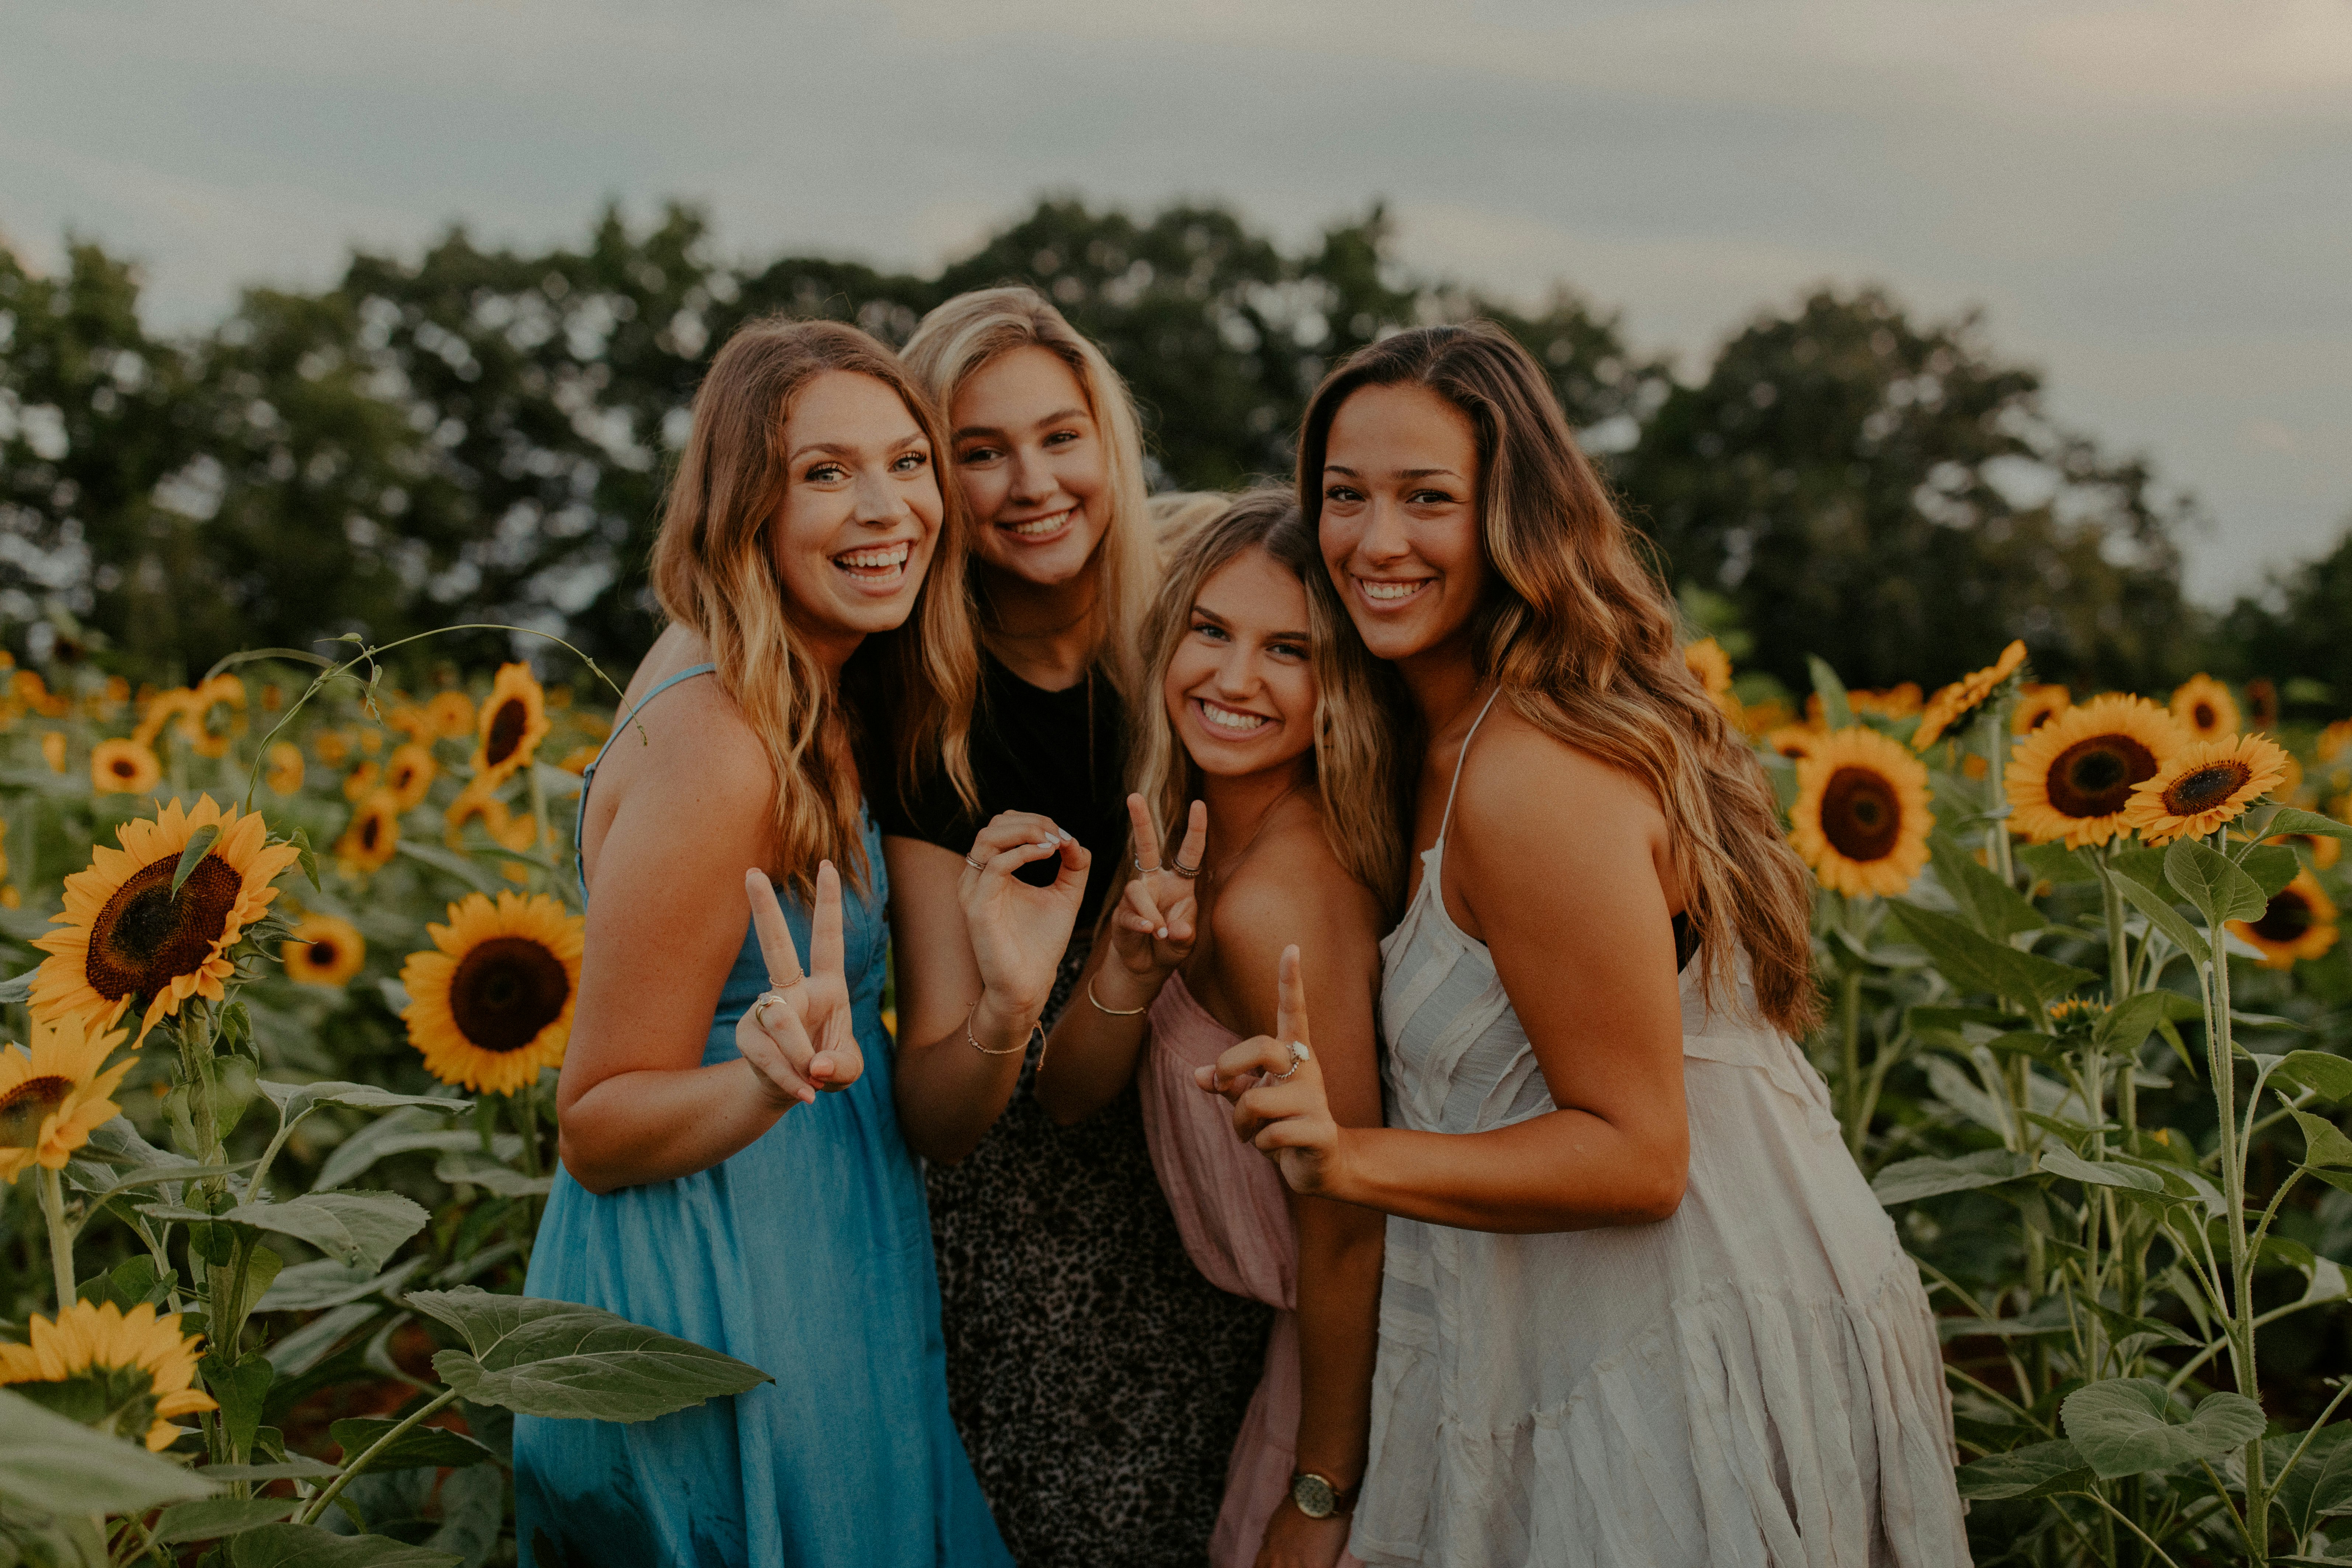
(1289, 829)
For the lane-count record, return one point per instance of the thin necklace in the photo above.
(997, 629)
(1265, 819)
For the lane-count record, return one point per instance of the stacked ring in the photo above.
(1298, 1053)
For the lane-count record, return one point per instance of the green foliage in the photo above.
(556, 1358)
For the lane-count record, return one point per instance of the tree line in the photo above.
(482, 436)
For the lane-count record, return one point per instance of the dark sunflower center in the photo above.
(143, 938)
(2095, 777)
(125, 768)
(2204, 715)
(507, 726)
(24, 1108)
(1861, 815)
(2206, 787)
(506, 991)
(322, 953)
(403, 775)
(371, 829)
(2288, 917)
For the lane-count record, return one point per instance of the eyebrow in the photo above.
(1206, 612)
(1058, 416)
(1400, 473)
(835, 449)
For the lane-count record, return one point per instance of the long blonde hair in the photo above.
(714, 571)
(1355, 760)
(1583, 641)
(954, 342)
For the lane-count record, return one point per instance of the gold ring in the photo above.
(1298, 1053)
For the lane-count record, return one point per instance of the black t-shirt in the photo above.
(1058, 753)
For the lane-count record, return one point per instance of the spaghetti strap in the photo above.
(588, 774)
(1461, 757)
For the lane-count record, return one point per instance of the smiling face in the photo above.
(1399, 529)
(861, 511)
(1240, 688)
(1034, 468)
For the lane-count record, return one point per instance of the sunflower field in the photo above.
(294, 959)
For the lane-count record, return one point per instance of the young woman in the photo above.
(1291, 835)
(733, 1171)
(1639, 1306)
(1097, 1378)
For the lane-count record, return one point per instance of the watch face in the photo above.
(1314, 1496)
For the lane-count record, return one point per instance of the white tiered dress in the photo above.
(1754, 1380)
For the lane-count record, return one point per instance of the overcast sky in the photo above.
(2152, 201)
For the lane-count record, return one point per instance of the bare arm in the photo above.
(964, 936)
(1574, 907)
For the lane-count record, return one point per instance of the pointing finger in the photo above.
(1291, 998)
(775, 938)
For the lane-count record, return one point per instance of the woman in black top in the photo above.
(1098, 1379)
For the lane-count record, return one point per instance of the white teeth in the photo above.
(1039, 527)
(873, 560)
(1389, 590)
(1227, 719)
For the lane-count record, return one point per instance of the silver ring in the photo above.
(1141, 868)
(1182, 870)
(774, 993)
(1298, 1053)
(975, 865)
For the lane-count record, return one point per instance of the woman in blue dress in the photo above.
(733, 1171)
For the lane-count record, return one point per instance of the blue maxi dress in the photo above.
(807, 1254)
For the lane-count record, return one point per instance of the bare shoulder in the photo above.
(1293, 888)
(1522, 786)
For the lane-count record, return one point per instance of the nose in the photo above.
(1384, 537)
(1032, 481)
(1237, 672)
(879, 503)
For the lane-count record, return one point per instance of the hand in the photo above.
(1020, 932)
(1152, 933)
(1294, 1540)
(800, 1041)
(1278, 1100)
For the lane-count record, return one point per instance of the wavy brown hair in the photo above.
(1582, 638)
(1355, 761)
(714, 571)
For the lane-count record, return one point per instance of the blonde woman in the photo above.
(1097, 1378)
(733, 1169)
(1638, 1307)
(1290, 834)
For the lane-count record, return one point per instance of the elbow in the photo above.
(581, 1168)
(1657, 1193)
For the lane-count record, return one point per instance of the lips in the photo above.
(1229, 720)
(1387, 593)
(875, 563)
(1037, 528)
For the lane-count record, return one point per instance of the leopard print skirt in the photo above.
(1098, 1379)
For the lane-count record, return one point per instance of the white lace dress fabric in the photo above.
(1755, 1381)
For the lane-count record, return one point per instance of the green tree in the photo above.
(2294, 632)
(1890, 496)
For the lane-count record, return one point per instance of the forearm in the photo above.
(634, 1128)
(1093, 1052)
(1340, 1252)
(1567, 1170)
(950, 1092)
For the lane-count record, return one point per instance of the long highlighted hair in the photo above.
(714, 573)
(1584, 643)
(960, 337)
(1355, 759)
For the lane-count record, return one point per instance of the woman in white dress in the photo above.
(1638, 1309)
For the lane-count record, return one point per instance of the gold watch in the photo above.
(1320, 1497)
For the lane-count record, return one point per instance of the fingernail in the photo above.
(1163, 931)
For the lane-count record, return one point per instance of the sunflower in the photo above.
(157, 711)
(2324, 850)
(452, 714)
(2037, 705)
(123, 1373)
(412, 722)
(2205, 708)
(2203, 785)
(1705, 660)
(333, 746)
(1796, 741)
(371, 743)
(576, 761)
(2072, 778)
(1894, 702)
(323, 950)
(505, 828)
(51, 1095)
(2263, 703)
(2333, 740)
(123, 767)
(285, 774)
(53, 750)
(2299, 923)
(511, 725)
(493, 1005)
(1963, 697)
(1762, 719)
(361, 780)
(1861, 820)
(124, 934)
(194, 727)
(367, 845)
(408, 772)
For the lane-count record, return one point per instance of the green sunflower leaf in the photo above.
(294, 1467)
(1836, 711)
(2321, 1481)
(18, 991)
(491, 1175)
(2290, 820)
(419, 1448)
(296, 1100)
(2059, 1163)
(200, 844)
(2219, 888)
(1990, 904)
(2163, 917)
(308, 1287)
(356, 1229)
(2324, 1072)
(559, 1359)
(2323, 1143)
(1907, 1180)
(2126, 1025)
(240, 1386)
(50, 1464)
(2038, 1469)
(2271, 866)
(1972, 961)
(308, 1546)
(214, 1517)
(2127, 1426)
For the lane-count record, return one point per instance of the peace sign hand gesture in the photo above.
(1276, 1089)
(797, 1034)
(1153, 932)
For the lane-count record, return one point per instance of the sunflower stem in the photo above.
(53, 1210)
(334, 1489)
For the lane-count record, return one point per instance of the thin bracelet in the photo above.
(971, 1011)
(1114, 1012)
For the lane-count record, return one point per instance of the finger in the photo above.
(1145, 907)
(1196, 836)
(1147, 833)
(1012, 827)
(1261, 1053)
(825, 925)
(1011, 860)
(1179, 921)
(775, 938)
(1291, 998)
(1076, 858)
(765, 1050)
(837, 1067)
